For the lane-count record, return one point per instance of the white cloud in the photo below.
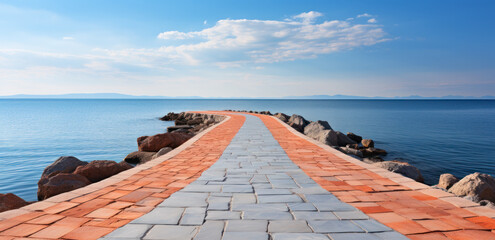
(372, 20)
(265, 41)
(364, 15)
(308, 16)
(67, 38)
(229, 43)
(205, 22)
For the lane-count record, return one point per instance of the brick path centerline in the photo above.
(254, 191)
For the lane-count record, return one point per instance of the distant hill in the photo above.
(93, 96)
(126, 96)
(397, 97)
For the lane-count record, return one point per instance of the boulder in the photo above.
(209, 121)
(218, 118)
(478, 186)
(162, 151)
(159, 141)
(195, 121)
(266, 112)
(181, 127)
(446, 180)
(371, 152)
(11, 201)
(372, 160)
(354, 137)
(333, 138)
(298, 122)
(282, 117)
(402, 168)
(100, 169)
(180, 122)
(170, 117)
(314, 128)
(65, 164)
(139, 157)
(354, 146)
(368, 143)
(352, 151)
(60, 183)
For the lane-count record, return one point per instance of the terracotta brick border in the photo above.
(97, 209)
(414, 209)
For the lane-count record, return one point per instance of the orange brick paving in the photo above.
(410, 212)
(96, 214)
(90, 216)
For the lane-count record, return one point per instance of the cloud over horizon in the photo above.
(268, 41)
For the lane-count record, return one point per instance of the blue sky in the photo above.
(249, 48)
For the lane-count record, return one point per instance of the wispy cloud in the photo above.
(266, 41)
(67, 38)
(364, 15)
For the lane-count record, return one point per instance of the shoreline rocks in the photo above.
(156, 142)
(64, 164)
(139, 157)
(403, 168)
(11, 201)
(69, 173)
(446, 181)
(477, 186)
(298, 122)
(60, 183)
(98, 170)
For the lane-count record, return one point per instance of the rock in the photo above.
(368, 143)
(372, 160)
(179, 122)
(351, 151)
(371, 152)
(209, 121)
(298, 122)
(479, 186)
(159, 141)
(195, 121)
(446, 180)
(139, 157)
(60, 183)
(314, 128)
(173, 128)
(162, 151)
(266, 112)
(65, 164)
(170, 117)
(11, 201)
(354, 146)
(282, 117)
(100, 169)
(487, 203)
(354, 137)
(333, 138)
(141, 139)
(403, 168)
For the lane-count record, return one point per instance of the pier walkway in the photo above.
(252, 177)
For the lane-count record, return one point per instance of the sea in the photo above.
(436, 136)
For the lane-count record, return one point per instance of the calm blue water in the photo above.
(435, 136)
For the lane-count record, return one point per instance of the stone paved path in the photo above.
(254, 191)
(264, 181)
